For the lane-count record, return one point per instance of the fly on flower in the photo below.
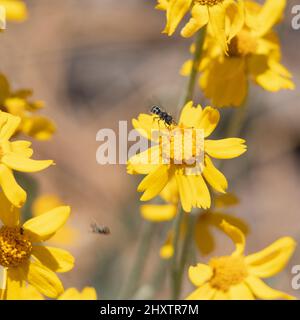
(162, 115)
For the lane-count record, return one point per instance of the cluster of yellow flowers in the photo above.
(235, 43)
(28, 265)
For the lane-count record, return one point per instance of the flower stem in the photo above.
(199, 41)
(136, 271)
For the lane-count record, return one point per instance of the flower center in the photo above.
(209, 2)
(15, 248)
(242, 44)
(182, 146)
(228, 271)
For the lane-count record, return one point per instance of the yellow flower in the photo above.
(15, 10)
(24, 258)
(238, 277)
(212, 218)
(254, 54)
(17, 103)
(15, 156)
(88, 293)
(189, 178)
(67, 235)
(223, 17)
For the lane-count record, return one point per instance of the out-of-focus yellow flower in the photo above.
(254, 54)
(212, 218)
(15, 156)
(224, 18)
(88, 293)
(18, 103)
(15, 10)
(24, 258)
(67, 235)
(238, 277)
(189, 178)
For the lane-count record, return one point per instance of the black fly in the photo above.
(162, 115)
(100, 229)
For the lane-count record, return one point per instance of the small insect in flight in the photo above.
(162, 115)
(100, 229)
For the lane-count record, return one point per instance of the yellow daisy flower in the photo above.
(67, 235)
(254, 54)
(17, 103)
(190, 183)
(15, 10)
(24, 258)
(15, 156)
(238, 277)
(223, 17)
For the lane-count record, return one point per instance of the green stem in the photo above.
(136, 271)
(199, 41)
(176, 231)
(189, 236)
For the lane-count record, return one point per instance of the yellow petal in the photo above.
(41, 228)
(144, 162)
(205, 292)
(199, 19)
(199, 192)
(29, 292)
(8, 125)
(15, 10)
(271, 260)
(236, 236)
(226, 200)
(221, 295)
(214, 177)
(70, 294)
(225, 148)
(170, 192)
(167, 249)
(14, 193)
(15, 283)
(158, 213)
(9, 214)
(224, 81)
(240, 292)
(45, 203)
(55, 259)
(200, 274)
(271, 13)
(175, 12)
(21, 148)
(38, 127)
(184, 192)
(190, 115)
(23, 164)
(162, 5)
(154, 182)
(263, 291)
(186, 68)
(209, 120)
(89, 293)
(44, 280)
(217, 24)
(235, 13)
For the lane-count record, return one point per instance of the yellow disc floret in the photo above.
(15, 247)
(227, 271)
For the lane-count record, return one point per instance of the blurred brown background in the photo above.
(96, 62)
